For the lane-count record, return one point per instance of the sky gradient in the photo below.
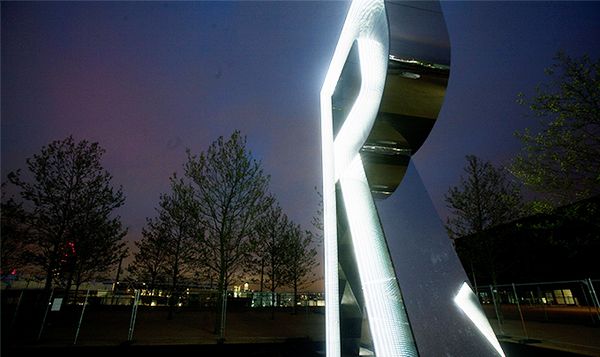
(149, 79)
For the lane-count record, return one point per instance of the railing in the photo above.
(32, 316)
(567, 301)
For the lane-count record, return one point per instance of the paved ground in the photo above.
(111, 327)
(584, 340)
(294, 333)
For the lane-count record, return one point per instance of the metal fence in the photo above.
(38, 316)
(568, 301)
(30, 315)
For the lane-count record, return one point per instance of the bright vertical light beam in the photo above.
(366, 24)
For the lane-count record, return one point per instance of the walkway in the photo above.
(579, 339)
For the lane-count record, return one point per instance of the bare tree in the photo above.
(16, 240)
(301, 259)
(230, 190)
(69, 195)
(149, 261)
(179, 224)
(317, 219)
(271, 253)
(97, 245)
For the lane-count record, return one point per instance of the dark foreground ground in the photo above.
(249, 332)
(289, 348)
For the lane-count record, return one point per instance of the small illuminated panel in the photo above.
(467, 302)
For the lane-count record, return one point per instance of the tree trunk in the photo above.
(78, 282)
(172, 298)
(115, 284)
(173, 295)
(273, 296)
(68, 285)
(117, 277)
(77, 285)
(152, 284)
(221, 291)
(50, 270)
(48, 283)
(295, 311)
(262, 274)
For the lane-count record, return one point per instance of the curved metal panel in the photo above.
(415, 86)
(393, 282)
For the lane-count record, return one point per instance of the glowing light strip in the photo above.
(388, 320)
(358, 22)
(332, 308)
(367, 24)
(360, 119)
(467, 302)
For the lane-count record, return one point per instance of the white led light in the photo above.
(388, 320)
(357, 126)
(366, 23)
(467, 302)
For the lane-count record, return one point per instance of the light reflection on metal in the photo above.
(468, 303)
(388, 320)
(410, 75)
(379, 148)
(419, 63)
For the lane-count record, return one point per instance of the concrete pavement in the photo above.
(581, 339)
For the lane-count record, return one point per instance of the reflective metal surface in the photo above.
(416, 81)
(394, 285)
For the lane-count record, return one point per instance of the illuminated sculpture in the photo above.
(388, 261)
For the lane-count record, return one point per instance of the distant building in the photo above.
(562, 245)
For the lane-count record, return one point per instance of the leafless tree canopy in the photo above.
(68, 205)
(230, 193)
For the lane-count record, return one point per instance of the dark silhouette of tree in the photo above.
(317, 219)
(179, 224)
(68, 202)
(483, 199)
(149, 261)
(301, 260)
(562, 158)
(15, 241)
(97, 245)
(270, 255)
(168, 249)
(230, 190)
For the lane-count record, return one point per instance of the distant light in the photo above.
(467, 302)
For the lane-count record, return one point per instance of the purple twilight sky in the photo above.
(149, 79)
